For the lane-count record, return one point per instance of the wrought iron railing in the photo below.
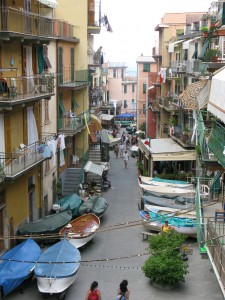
(24, 87)
(94, 13)
(23, 22)
(73, 123)
(182, 136)
(18, 161)
(67, 76)
(170, 103)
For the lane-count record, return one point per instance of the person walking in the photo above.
(125, 158)
(116, 150)
(123, 292)
(121, 149)
(93, 293)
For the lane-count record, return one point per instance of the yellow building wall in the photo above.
(17, 197)
(11, 51)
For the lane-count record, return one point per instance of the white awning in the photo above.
(217, 96)
(186, 44)
(49, 3)
(172, 45)
(105, 117)
(94, 168)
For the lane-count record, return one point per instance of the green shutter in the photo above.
(74, 103)
(146, 67)
(72, 63)
(60, 64)
(61, 106)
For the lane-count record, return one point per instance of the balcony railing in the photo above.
(63, 29)
(17, 162)
(182, 137)
(170, 103)
(19, 21)
(69, 76)
(26, 87)
(94, 13)
(73, 123)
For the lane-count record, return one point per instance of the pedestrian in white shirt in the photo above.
(121, 149)
(125, 158)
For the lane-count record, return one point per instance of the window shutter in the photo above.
(72, 63)
(60, 64)
(223, 48)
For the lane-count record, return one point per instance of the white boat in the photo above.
(81, 230)
(57, 268)
(183, 221)
(166, 191)
(163, 182)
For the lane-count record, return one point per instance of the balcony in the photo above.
(73, 80)
(17, 163)
(94, 16)
(19, 90)
(17, 23)
(170, 103)
(70, 125)
(64, 31)
(182, 136)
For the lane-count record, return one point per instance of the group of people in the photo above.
(120, 149)
(94, 293)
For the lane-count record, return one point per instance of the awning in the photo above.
(186, 44)
(195, 95)
(96, 121)
(94, 168)
(172, 45)
(217, 96)
(165, 150)
(49, 3)
(105, 117)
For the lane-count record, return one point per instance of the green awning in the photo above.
(74, 102)
(204, 48)
(61, 105)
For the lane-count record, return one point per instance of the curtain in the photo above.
(29, 69)
(32, 126)
(40, 59)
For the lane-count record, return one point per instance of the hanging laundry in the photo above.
(47, 153)
(62, 144)
(61, 158)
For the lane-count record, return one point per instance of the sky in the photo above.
(133, 23)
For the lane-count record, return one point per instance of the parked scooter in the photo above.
(106, 183)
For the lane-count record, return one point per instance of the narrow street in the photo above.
(127, 242)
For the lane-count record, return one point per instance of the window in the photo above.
(114, 73)
(122, 73)
(144, 108)
(125, 104)
(133, 88)
(47, 166)
(144, 87)
(146, 67)
(47, 64)
(133, 104)
(185, 54)
(125, 88)
(195, 54)
(46, 111)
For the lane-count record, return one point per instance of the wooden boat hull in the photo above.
(82, 231)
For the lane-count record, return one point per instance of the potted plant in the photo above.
(165, 266)
(205, 31)
(212, 55)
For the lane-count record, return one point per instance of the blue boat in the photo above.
(57, 268)
(17, 265)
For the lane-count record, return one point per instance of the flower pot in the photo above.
(205, 34)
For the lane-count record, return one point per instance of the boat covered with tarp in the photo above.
(49, 224)
(17, 265)
(72, 201)
(57, 267)
(95, 204)
(153, 220)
